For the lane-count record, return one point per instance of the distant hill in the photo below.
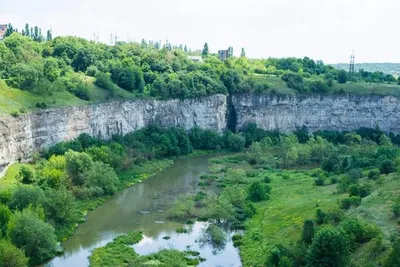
(389, 68)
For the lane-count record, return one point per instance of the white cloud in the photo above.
(327, 30)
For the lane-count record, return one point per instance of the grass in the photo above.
(20, 101)
(280, 219)
(10, 177)
(295, 198)
(361, 88)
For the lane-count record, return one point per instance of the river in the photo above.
(142, 208)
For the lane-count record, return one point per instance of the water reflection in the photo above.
(137, 208)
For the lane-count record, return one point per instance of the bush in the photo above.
(59, 205)
(342, 76)
(321, 217)
(330, 247)
(25, 175)
(102, 176)
(393, 260)
(25, 195)
(5, 216)
(355, 175)
(350, 201)
(257, 192)
(387, 166)
(32, 235)
(358, 232)
(308, 231)
(396, 208)
(103, 80)
(373, 174)
(318, 86)
(78, 164)
(11, 256)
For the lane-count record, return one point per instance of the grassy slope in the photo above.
(16, 100)
(280, 86)
(280, 220)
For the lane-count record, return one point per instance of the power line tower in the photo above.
(351, 67)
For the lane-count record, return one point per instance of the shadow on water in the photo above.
(141, 208)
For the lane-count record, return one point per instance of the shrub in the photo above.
(5, 215)
(319, 181)
(25, 195)
(350, 201)
(396, 208)
(321, 217)
(32, 235)
(393, 260)
(342, 76)
(102, 176)
(373, 174)
(358, 232)
(330, 247)
(355, 175)
(308, 231)
(103, 80)
(25, 175)
(257, 192)
(266, 179)
(387, 166)
(11, 256)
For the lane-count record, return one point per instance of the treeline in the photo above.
(151, 69)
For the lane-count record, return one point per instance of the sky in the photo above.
(327, 30)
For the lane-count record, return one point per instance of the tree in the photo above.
(27, 33)
(32, 235)
(243, 53)
(49, 35)
(5, 215)
(257, 192)
(50, 69)
(330, 248)
(9, 31)
(393, 260)
(59, 205)
(82, 60)
(204, 53)
(342, 76)
(103, 176)
(387, 166)
(25, 175)
(78, 164)
(308, 231)
(26, 195)
(11, 256)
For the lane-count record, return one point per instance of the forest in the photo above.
(325, 183)
(77, 70)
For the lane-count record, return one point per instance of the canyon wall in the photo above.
(338, 112)
(21, 137)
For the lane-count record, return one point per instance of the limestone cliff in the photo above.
(339, 112)
(21, 137)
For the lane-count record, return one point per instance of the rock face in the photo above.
(21, 137)
(285, 113)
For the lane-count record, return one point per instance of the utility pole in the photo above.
(351, 67)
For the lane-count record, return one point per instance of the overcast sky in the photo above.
(320, 29)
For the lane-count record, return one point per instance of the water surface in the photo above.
(142, 208)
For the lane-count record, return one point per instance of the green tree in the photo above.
(204, 53)
(257, 192)
(342, 76)
(243, 53)
(33, 236)
(330, 248)
(49, 35)
(26, 195)
(308, 231)
(393, 260)
(27, 32)
(59, 205)
(50, 69)
(26, 175)
(78, 164)
(387, 166)
(102, 176)
(5, 215)
(11, 256)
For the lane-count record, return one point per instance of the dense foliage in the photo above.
(43, 66)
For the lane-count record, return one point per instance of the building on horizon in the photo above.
(198, 59)
(3, 29)
(224, 54)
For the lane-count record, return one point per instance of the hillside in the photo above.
(36, 74)
(387, 68)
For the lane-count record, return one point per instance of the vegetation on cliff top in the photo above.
(63, 71)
